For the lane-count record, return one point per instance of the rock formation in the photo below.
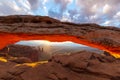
(79, 66)
(15, 50)
(44, 52)
(21, 27)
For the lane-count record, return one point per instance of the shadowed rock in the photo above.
(79, 66)
(22, 51)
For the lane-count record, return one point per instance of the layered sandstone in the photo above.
(26, 27)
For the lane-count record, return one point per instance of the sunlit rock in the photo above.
(16, 28)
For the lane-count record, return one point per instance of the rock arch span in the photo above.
(16, 28)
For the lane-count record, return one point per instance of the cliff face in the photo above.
(16, 28)
(22, 51)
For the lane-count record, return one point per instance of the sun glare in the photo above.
(3, 59)
(33, 64)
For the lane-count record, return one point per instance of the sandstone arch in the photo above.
(16, 28)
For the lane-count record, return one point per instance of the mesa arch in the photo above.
(19, 27)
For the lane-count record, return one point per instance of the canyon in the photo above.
(44, 52)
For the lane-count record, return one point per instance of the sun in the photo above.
(46, 42)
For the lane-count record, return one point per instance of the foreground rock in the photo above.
(18, 27)
(79, 66)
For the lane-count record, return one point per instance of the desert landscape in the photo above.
(98, 59)
(59, 39)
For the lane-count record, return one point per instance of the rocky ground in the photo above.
(79, 66)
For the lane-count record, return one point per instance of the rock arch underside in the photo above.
(19, 27)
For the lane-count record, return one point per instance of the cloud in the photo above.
(34, 4)
(117, 15)
(104, 12)
(21, 7)
(106, 8)
(12, 7)
(61, 8)
(97, 11)
(63, 4)
(54, 14)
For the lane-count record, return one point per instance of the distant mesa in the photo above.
(44, 52)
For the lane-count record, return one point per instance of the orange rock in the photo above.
(16, 28)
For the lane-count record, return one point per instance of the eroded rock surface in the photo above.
(16, 28)
(79, 66)
(22, 51)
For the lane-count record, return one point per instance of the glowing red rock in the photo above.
(7, 38)
(17, 28)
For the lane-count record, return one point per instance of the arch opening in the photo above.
(8, 38)
(43, 50)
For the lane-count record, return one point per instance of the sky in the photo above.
(50, 46)
(53, 47)
(45, 42)
(103, 12)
